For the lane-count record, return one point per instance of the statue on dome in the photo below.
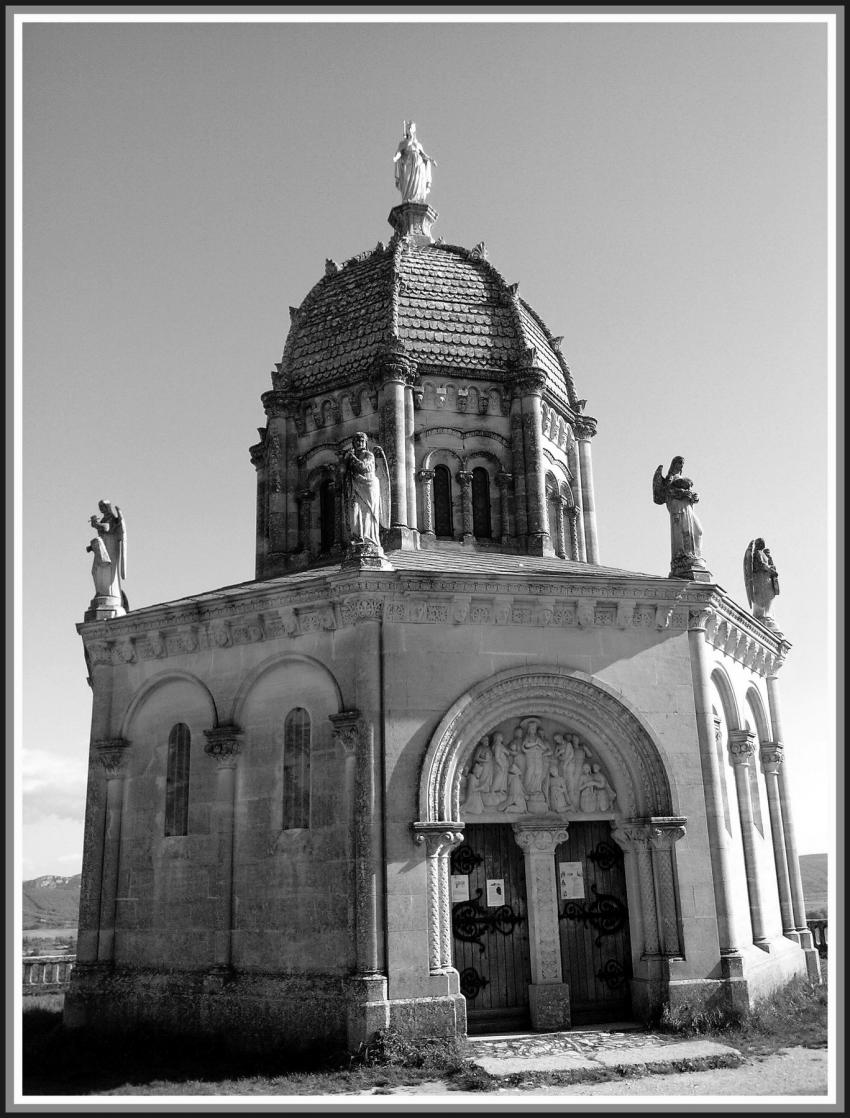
(366, 494)
(677, 492)
(412, 166)
(761, 579)
(109, 557)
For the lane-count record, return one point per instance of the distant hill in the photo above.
(51, 902)
(813, 872)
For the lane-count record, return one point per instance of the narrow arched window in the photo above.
(482, 527)
(327, 514)
(177, 781)
(443, 502)
(296, 769)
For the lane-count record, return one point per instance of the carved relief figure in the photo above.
(109, 552)
(500, 765)
(760, 578)
(483, 764)
(573, 769)
(365, 492)
(677, 492)
(557, 789)
(412, 167)
(536, 752)
(516, 792)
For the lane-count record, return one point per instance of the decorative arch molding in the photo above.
(591, 708)
(333, 450)
(471, 459)
(147, 689)
(726, 692)
(271, 664)
(328, 469)
(434, 458)
(754, 701)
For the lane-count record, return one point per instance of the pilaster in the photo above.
(223, 747)
(741, 751)
(585, 430)
(112, 755)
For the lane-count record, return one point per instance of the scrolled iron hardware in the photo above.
(464, 860)
(607, 914)
(470, 920)
(471, 982)
(612, 974)
(606, 855)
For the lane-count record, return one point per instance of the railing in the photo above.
(47, 974)
(818, 930)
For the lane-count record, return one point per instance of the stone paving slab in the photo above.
(579, 1055)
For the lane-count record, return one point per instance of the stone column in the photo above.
(395, 372)
(574, 520)
(771, 759)
(664, 833)
(503, 480)
(439, 839)
(549, 995)
(575, 469)
(276, 452)
(518, 467)
(561, 507)
(223, 746)
(585, 430)
(531, 386)
(633, 837)
(464, 477)
(795, 880)
(112, 755)
(730, 956)
(258, 461)
(410, 458)
(426, 478)
(742, 749)
(304, 497)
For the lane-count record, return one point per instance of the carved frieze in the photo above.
(533, 766)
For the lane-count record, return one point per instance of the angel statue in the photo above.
(366, 495)
(761, 579)
(412, 166)
(677, 492)
(109, 558)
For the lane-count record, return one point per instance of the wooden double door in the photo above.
(490, 927)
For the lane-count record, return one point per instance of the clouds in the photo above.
(53, 786)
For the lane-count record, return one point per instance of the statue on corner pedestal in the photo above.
(366, 501)
(761, 580)
(677, 492)
(109, 563)
(412, 167)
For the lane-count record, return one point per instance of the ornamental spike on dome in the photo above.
(413, 168)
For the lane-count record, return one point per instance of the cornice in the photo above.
(332, 600)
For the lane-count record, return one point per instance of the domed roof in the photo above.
(447, 305)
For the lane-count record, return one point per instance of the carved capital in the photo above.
(632, 834)
(304, 495)
(585, 428)
(111, 755)
(503, 480)
(223, 745)
(742, 746)
(665, 831)
(772, 755)
(699, 618)
(539, 840)
(530, 381)
(437, 838)
(426, 475)
(464, 477)
(348, 730)
(276, 403)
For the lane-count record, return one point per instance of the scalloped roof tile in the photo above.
(452, 309)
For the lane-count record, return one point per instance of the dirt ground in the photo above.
(793, 1071)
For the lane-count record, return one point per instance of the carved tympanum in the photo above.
(522, 769)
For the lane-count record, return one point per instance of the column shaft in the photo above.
(711, 778)
(535, 477)
(575, 469)
(503, 481)
(395, 440)
(111, 863)
(587, 499)
(426, 478)
(410, 458)
(771, 759)
(465, 480)
(742, 749)
(518, 466)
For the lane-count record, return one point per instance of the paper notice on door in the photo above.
(571, 881)
(495, 892)
(460, 888)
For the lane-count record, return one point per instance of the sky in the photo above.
(659, 191)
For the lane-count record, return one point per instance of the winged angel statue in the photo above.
(678, 494)
(760, 578)
(366, 494)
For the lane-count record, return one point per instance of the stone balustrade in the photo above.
(47, 974)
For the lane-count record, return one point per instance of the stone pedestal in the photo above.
(368, 1009)
(365, 557)
(102, 607)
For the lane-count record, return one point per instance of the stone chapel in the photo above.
(466, 779)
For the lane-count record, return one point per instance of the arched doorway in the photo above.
(550, 762)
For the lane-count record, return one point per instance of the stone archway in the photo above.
(643, 823)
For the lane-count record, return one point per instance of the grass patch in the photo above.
(59, 1061)
(794, 1015)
